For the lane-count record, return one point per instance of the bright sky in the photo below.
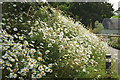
(115, 3)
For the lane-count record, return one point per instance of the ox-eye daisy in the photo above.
(38, 76)
(15, 29)
(33, 50)
(43, 73)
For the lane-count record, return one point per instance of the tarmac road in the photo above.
(115, 54)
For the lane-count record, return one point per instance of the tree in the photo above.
(98, 27)
(86, 12)
(118, 14)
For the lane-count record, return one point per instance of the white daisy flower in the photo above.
(99, 76)
(50, 65)
(15, 36)
(15, 76)
(43, 73)
(1, 61)
(12, 75)
(44, 1)
(47, 51)
(12, 54)
(47, 69)
(1, 68)
(29, 22)
(5, 56)
(8, 51)
(14, 70)
(39, 53)
(32, 62)
(32, 45)
(19, 48)
(44, 66)
(26, 43)
(41, 47)
(8, 64)
(8, 68)
(15, 29)
(53, 41)
(38, 76)
(31, 66)
(14, 5)
(49, 45)
(40, 68)
(84, 70)
(24, 70)
(95, 70)
(33, 41)
(33, 50)
(33, 76)
(61, 33)
(41, 44)
(6, 47)
(11, 59)
(36, 22)
(21, 37)
(39, 59)
(34, 71)
(50, 70)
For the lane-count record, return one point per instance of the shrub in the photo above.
(115, 42)
(98, 27)
(49, 39)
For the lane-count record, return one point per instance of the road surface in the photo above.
(115, 54)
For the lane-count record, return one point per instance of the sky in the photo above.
(115, 3)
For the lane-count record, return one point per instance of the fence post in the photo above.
(108, 65)
(0, 38)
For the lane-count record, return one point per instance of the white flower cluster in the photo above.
(19, 59)
(77, 47)
(85, 47)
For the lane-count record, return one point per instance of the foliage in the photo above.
(23, 56)
(39, 42)
(86, 12)
(116, 16)
(98, 27)
(114, 42)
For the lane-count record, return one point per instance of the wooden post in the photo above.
(119, 65)
(0, 38)
(108, 65)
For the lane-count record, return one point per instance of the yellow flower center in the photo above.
(11, 53)
(8, 68)
(5, 64)
(28, 59)
(14, 70)
(2, 47)
(31, 62)
(40, 67)
(42, 72)
(38, 59)
(5, 55)
(38, 75)
(11, 58)
(6, 47)
(32, 56)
